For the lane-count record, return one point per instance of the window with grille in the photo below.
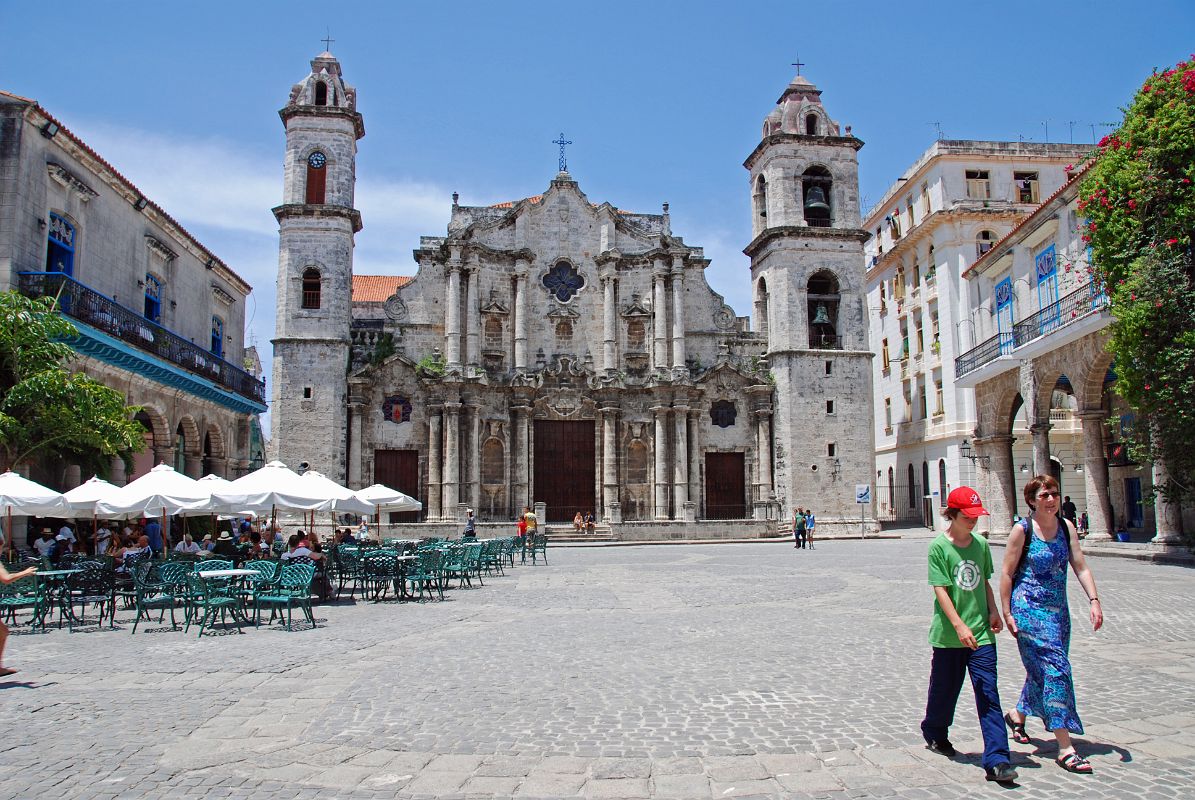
(311, 288)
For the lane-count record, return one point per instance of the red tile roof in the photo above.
(161, 211)
(377, 288)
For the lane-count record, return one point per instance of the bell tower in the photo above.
(807, 272)
(316, 226)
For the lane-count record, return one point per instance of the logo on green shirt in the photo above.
(967, 575)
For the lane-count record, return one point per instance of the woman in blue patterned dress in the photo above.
(1033, 593)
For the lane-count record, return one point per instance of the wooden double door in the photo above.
(565, 468)
(725, 486)
(399, 469)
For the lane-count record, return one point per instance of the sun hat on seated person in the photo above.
(225, 536)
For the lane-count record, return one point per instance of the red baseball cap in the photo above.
(966, 500)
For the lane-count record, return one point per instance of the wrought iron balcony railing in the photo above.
(1085, 300)
(104, 314)
(825, 342)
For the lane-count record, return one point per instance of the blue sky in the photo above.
(664, 100)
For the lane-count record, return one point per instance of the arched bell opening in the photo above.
(823, 301)
(816, 185)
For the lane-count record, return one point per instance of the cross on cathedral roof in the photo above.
(563, 143)
(327, 40)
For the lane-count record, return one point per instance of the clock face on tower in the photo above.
(317, 160)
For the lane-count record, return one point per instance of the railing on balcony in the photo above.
(825, 342)
(1086, 300)
(105, 314)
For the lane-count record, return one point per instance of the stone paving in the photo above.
(746, 670)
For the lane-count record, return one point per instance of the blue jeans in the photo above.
(945, 683)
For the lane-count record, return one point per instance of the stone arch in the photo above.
(1089, 388)
(823, 296)
(817, 196)
(191, 439)
(214, 449)
(759, 198)
(155, 422)
(761, 304)
(321, 93)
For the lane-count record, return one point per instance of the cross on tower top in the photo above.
(562, 142)
(327, 40)
(798, 63)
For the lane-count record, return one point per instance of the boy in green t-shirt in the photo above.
(963, 635)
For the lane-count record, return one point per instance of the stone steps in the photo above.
(566, 533)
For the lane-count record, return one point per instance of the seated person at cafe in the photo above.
(45, 543)
(208, 544)
(256, 548)
(142, 550)
(297, 547)
(103, 540)
(346, 537)
(187, 545)
(62, 546)
(225, 546)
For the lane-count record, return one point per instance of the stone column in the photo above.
(997, 485)
(1168, 517)
(435, 460)
(519, 489)
(452, 317)
(473, 452)
(659, 309)
(695, 446)
(452, 454)
(1095, 476)
(680, 460)
(356, 457)
(116, 472)
(678, 317)
(165, 455)
(660, 446)
(1041, 447)
(74, 476)
(520, 312)
(763, 475)
(219, 467)
(473, 316)
(610, 504)
(193, 466)
(609, 356)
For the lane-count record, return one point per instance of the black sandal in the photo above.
(1018, 730)
(1073, 762)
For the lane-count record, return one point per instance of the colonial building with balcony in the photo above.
(159, 317)
(947, 210)
(1042, 378)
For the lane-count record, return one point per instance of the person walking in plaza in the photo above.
(799, 529)
(1033, 593)
(963, 635)
(6, 578)
(1070, 511)
(809, 522)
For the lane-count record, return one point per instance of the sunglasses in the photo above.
(1047, 495)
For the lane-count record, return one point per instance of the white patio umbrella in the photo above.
(339, 498)
(381, 496)
(161, 491)
(23, 497)
(84, 497)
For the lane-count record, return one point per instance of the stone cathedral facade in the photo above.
(567, 353)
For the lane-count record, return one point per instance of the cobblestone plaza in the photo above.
(740, 670)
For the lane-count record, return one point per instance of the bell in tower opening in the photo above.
(823, 301)
(816, 184)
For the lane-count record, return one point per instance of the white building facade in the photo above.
(160, 317)
(948, 209)
(1043, 378)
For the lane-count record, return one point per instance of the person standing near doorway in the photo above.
(809, 522)
(1070, 511)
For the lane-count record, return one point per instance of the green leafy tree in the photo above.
(1138, 198)
(46, 411)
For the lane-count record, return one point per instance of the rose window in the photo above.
(563, 281)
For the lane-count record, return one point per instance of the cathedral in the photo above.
(569, 355)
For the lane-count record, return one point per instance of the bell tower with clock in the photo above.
(316, 227)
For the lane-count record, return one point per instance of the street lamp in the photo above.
(965, 452)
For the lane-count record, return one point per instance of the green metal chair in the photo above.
(293, 589)
(427, 572)
(539, 547)
(91, 586)
(161, 589)
(25, 593)
(212, 598)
